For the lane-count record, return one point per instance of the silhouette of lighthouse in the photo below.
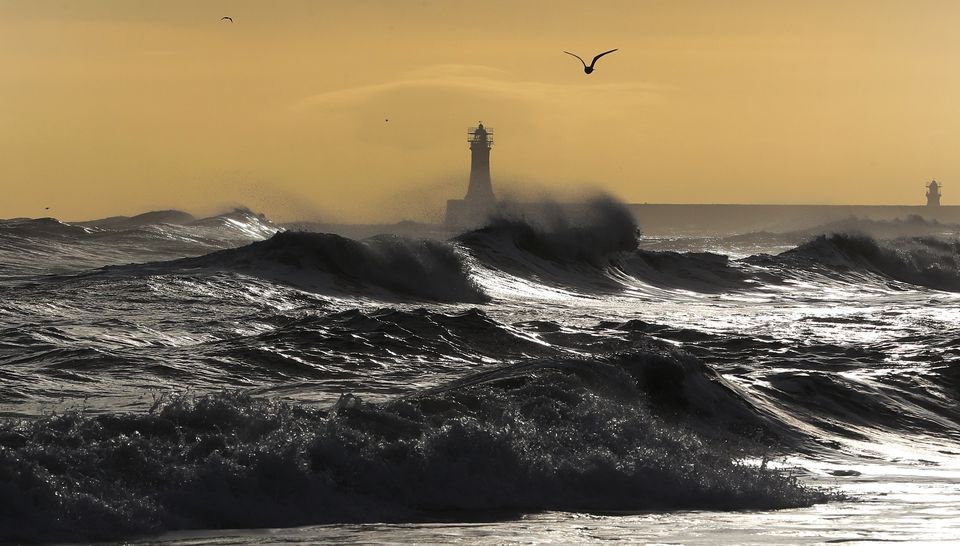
(480, 189)
(933, 194)
(479, 201)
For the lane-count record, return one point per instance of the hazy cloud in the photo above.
(487, 81)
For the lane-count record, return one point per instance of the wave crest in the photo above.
(591, 233)
(570, 434)
(423, 269)
(922, 261)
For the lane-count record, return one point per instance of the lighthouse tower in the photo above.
(473, 209)
(933, 194)
(480, 190)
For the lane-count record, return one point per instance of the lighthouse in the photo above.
(933, 194)
(480, 190)
(479, 201)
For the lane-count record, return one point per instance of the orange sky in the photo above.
(117, 107)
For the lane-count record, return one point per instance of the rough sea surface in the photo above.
(560, 379)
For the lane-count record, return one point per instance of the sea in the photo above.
(566, 377)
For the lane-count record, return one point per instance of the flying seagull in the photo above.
(227, 18)
(589, 69)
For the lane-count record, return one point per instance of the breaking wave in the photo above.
(922, 261)
(595, 246)
(384, 265)
(590, 234)
(614, 433)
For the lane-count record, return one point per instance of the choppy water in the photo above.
(555, 380)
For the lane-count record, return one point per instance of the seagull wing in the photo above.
(594, 61)
(577, 56)
(227, 19)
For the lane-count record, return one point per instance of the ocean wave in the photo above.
(49, 246)
(385, 266)
(595, 247)
(41, 227)
(241, 222)
(590, 234)
(567, 434)
(386, 349)
(694, 271)
(468, 335)
(576, 247)
(858, 406)
(310, 354)
(922, 261)
(912, 225)
(151, 218)
(948, 379)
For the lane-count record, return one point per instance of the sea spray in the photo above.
(574, 434)
(585, 233)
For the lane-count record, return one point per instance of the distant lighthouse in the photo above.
(933, 194)
(480, 189)
(479, 201)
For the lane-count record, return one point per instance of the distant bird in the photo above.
(589, 69)
(48, 208)
(227, 19)
(386, 119)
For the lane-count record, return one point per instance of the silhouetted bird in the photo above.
(227, 19)
(48, 208)
(589, 69)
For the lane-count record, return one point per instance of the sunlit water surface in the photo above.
(852, 359)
